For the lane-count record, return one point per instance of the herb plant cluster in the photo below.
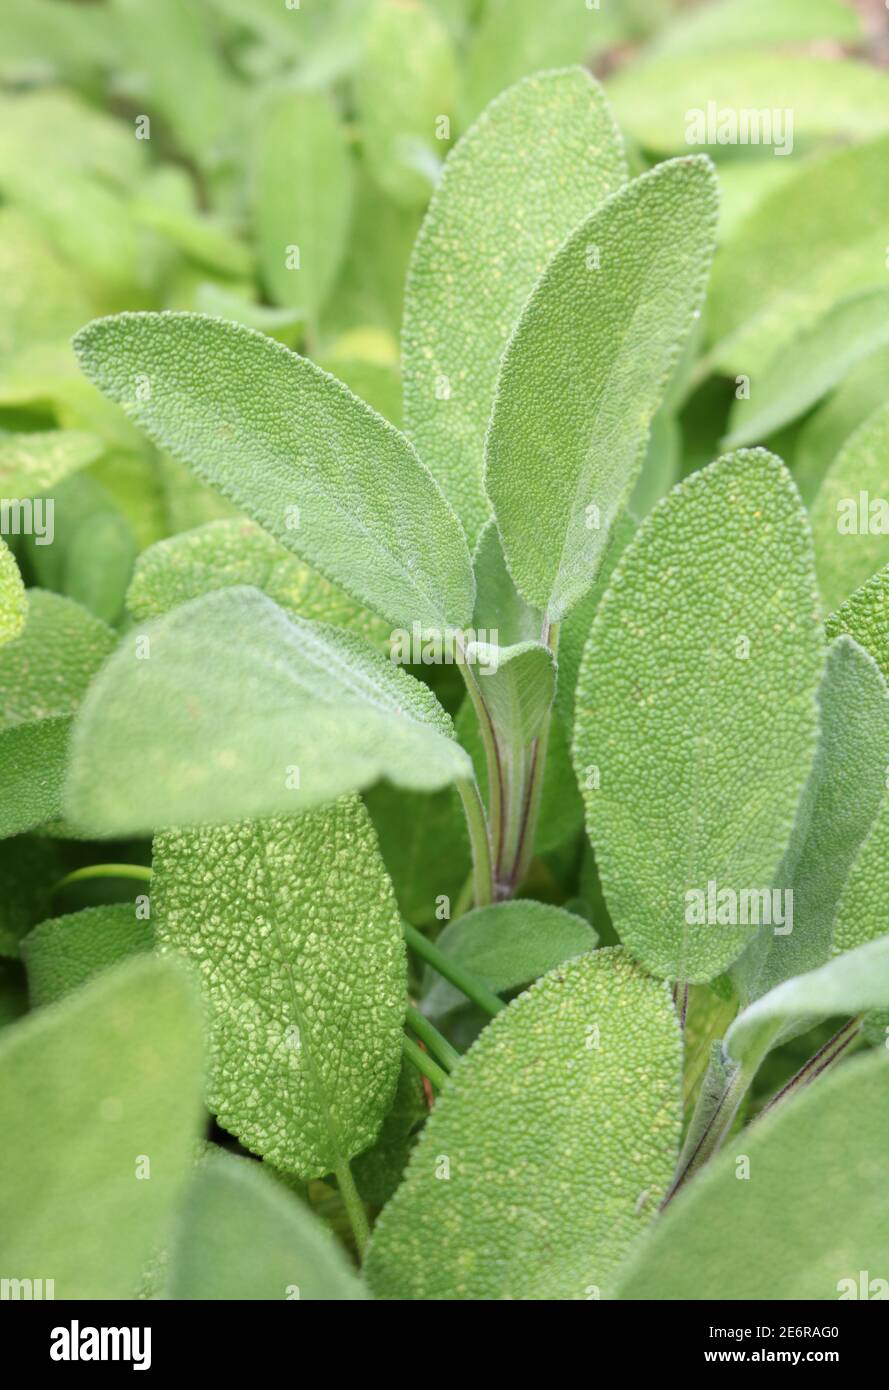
(444, 634)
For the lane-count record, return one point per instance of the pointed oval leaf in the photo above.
(95, 1088)
(304, 975)
(242, 1236)
(228, 707)
(296, 451)
(811, 1218)
(550, 148)
(62, 953)
(865, 616)
(507, 945)
(584, 374)
(406, 85)
(302, 197)
(863, 911)
(697, 716)
(556, 1157)
(838, 807)
(850, 514)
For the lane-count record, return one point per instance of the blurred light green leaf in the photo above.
(34, 463)
(850, 514)
(62, 953)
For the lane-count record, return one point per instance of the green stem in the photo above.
(533, 789)
(354, 1206)
(424, 1063)
(478, 838)
(709, 1139)
(516, 770)
(492, 754)
(140, 871)
(427, 1032)
(464, 980)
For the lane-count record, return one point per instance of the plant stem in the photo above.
(424, 1063)
(477, 826)
(354, 1206)
(463, 980)
(717, 1127)
(439, 1046)
(492, 753)
(533, 791)
(140, 871)
(832, 1050)
(515, 766)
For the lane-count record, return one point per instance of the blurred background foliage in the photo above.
(269, 161)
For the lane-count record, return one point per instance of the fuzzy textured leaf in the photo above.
(13, 601)
(103, 1078)
(608, 316)
(541, 157)
(557, 1160)
(293, 448)
(64, 952)
(697, 717)
(851, 531)
(304, 976)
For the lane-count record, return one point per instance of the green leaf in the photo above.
(34, 463)
(44, 673)
(697, 715)
(757, 23)
(241, 1236)
(13, 603)
(198, 238)
(227, 554)
(865, 616)
(775, 1236)
(850, 984)
(830, 98)
(304, 978)
(501, 614)
(518, 685)
(611, 310)
(817, 238)
(517, 37)
(407, 83)
(93, 550)
(64, 952)
(96, 1089)
(302, 197)
(257, 422)
(40, 300)
(838, 807)
(862, 914)
(790, 383)
(825, 431)
(218, 302)
(287, 716)
(506, 945)
(379, 1170)
(550, 148)
(851, 530)
(542, 1160)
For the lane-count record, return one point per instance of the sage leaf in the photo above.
(862, 914)
(813, 363)
(850, 514)
(62, 953)
(757, 23)
(518, 685)
(44, 673)
(698, 689)
(228, 554)
(816, 239)
(612, 309)
(296, 451)
(29, 868)
(775, 1237)
(101, 1090)
(33, 463)
(424, 845)
(304, 978)
(241, 1236)
(510, 1139)
(865, 616)
(302, 197)
(506, 945)
(839, 805)
(823, 433)
(290, 716)
(548, 146)
(13, 603)
(851, 983)
(406, 85)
